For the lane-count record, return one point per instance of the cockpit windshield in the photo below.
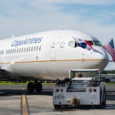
(91, 42)
(97, 43)
(75, 44)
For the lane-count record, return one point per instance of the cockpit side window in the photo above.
(91, 42)
(97, 43)
(72, 44)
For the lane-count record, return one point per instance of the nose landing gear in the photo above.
(37, 87)
(34, 87)
(30, 87)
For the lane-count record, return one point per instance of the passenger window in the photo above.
(17, 50)
(39, 48)
(72, 44)
(20, 50)
(14, 50)
(31, 49)
(27, 49)
(62, 44)
(52, 45)
(24, 49)
(36, 48)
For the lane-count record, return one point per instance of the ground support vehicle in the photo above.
(74, 91)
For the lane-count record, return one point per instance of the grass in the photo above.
(13, 83)
(109, 83)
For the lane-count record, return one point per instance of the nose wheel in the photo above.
(34, 87)
(38, 86)
(30, 87)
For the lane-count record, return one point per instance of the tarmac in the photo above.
(14, 100)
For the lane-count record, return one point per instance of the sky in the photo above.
(95, 17)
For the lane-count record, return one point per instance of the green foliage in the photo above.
(12, 83)
(15, 83)
(108, 72)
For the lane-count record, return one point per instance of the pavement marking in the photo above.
(24, 105)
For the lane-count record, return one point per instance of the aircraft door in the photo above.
(52, 51)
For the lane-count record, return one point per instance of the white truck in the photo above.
(86, 89)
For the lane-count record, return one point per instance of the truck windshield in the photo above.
(78, 86)
(76, 83)
(75, 74)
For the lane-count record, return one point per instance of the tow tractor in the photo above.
(83, 87)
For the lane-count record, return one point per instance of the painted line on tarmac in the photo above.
(24, 105)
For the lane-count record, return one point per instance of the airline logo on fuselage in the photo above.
(26, 41)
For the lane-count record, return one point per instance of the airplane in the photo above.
(48, 55)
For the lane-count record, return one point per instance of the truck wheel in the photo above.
(100, 105)
(75, 105)
(57, 106)
(67, 80)
(104, 98)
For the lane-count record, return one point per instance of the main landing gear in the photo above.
(36, 86)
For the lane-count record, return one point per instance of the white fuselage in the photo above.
(50, 55)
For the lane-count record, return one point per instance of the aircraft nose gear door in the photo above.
(52, 51)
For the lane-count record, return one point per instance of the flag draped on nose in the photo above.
(83, 44)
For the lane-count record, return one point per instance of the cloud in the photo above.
(33, 18)
(111, 66)
(29, 16)
(87, 2)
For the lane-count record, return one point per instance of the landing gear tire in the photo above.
(104, 98)
(57, 81)
(100, 106)
(67, 80)
(38, 87)
(57, 106)
(30, 87)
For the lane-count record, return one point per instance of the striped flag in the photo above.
(83, 44)
(110, 49)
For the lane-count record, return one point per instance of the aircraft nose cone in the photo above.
(103, 62)
(102, 58)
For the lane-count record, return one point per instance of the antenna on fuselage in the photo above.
(12, 35)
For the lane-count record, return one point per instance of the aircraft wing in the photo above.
(6, 73)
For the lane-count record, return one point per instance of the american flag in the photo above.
(110, 49)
